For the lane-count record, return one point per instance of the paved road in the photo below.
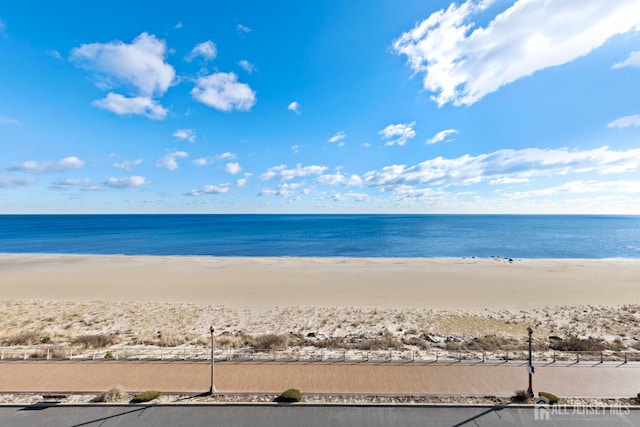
(309, 416)
(586, 379)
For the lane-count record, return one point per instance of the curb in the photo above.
(302, 405)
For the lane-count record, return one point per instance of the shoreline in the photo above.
(443, 258)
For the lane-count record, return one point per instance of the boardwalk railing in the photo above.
(47, 352)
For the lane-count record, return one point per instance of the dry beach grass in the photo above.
(103, 324)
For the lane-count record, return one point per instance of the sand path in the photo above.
(585, 379)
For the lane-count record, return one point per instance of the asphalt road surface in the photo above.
(308, 415)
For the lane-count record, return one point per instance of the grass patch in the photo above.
(418, 342)
(386, 341)
(271, 342)
(24, 338)
(521, 396)
(289, 396)
(552, 398)
(114, 395)
(577, 344)
(486, 343)
(331, 342)
(95, 341)
(171, 340)
(616, 345)
(146, 396)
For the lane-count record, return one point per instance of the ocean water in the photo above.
(514, 236)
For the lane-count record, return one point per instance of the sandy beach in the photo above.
(261, 284)
(141, 297)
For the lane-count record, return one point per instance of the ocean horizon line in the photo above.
(314, 214)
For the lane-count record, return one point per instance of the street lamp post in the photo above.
(212, 389)
(530, 367)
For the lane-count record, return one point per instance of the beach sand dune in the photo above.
(172, 301)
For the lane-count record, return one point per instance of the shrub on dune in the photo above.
(114, 395)
(95, 341)
(290, 396)
(146, 396)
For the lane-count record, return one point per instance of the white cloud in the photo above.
(295, 107)
(441, 136)
(243, 29)
(216, 189)
(178, 25)
(207, 50)
(226, 156)
(366, 145)
(67, 184)
(210, 189)
(632, 61)
(514, 164)
(283, 190)
(331, 179)
(139, 66)
(185, 134)
(339, 178)
(204, 161)
(583, 187)
(128, 164)
(62, 165)
(8, 183)
(358, 197)
(409, 192)
(242, 182)
(123, 106)
(127, 182)
(398, 134)
(295, 148)
(169, 160)
(223, 92)
(247, 66)
(4, 120)
(625, 121)
(55, 54)
(233, 168)
(283, 174)
(462, 64)
(267, 192)
(509, 180)
(353, 180)
(338, 138)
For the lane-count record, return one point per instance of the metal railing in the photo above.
(48, 352)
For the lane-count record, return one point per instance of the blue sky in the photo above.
(525, 106)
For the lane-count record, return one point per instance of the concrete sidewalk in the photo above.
(500, 379)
